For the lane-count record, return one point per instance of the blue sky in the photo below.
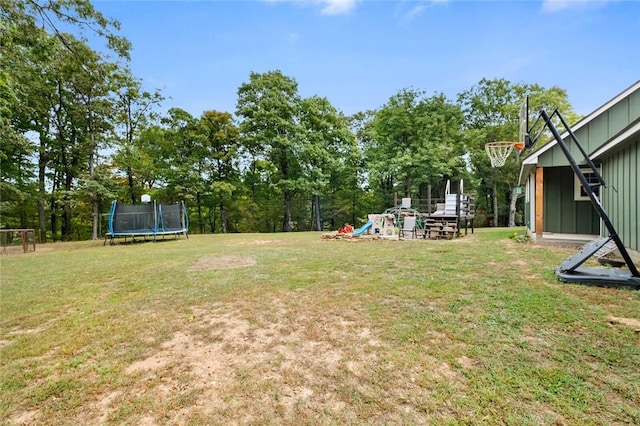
(359, 53)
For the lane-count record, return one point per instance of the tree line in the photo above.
(77, 131)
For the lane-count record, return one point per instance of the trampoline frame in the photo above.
(154, 222)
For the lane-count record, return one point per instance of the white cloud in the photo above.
(336, 7)
(417, 10)
(552, 6)
(327, 7)
(344, 7)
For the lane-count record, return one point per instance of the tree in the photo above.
(133, 112)
(92, 86)
(48, 86)
(329, 153)
(184, 154)
(48, 95)
(23, 20)
(67, 102)
(220, 139)
(16, 169)
(491, 109)
(79, 119)
(269, 108)
(412, 142)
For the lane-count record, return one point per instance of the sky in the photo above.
(359, 53)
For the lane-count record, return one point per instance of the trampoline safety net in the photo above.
(148, 219)
(133, 218)
(170, 218)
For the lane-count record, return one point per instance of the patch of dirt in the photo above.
(222, 262)
(26, 331)
(256, 243)
(18, 332)
(16, 251)
(229, 351)
(288, 360)
(512, 262)
(464, 238)
(629, 322)
(26, 418)
(466, 362)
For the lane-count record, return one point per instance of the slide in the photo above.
(363, 229)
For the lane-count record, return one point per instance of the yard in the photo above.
(294, 329)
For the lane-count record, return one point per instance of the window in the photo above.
(579, 193)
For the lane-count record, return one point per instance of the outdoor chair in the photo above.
(408, 226)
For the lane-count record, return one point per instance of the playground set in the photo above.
(444, 219)
(571, 269)
(434, 218)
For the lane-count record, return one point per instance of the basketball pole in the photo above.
(585, 184)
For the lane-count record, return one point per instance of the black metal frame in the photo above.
(570, 270)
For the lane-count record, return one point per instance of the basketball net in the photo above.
(498, 152)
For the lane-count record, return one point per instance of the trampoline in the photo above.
(148, 220)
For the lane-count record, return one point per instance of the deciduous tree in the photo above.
(329, 153)
(491, 109)
(412, 142)
(268, 105)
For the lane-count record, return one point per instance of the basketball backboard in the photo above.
(523, 133)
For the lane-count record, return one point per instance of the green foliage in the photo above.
(60, 94)
(78, 130)
(491, 114)
(23, 18)
(412, 142)
(520, 237)
(306, 143)
(269, 105)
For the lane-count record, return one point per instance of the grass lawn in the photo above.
(294, 329)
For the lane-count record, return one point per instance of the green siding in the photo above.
(619, 117)
(621, 197)
(596, 132)
(563, 215)
(634, 105)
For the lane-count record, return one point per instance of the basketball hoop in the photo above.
(498, 152)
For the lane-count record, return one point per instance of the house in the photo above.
(557, 207)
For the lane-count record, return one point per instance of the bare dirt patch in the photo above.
(231, 351)
(222, 262)
(26, 418)
(288, 360)
(256, 243)
(629, 322)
